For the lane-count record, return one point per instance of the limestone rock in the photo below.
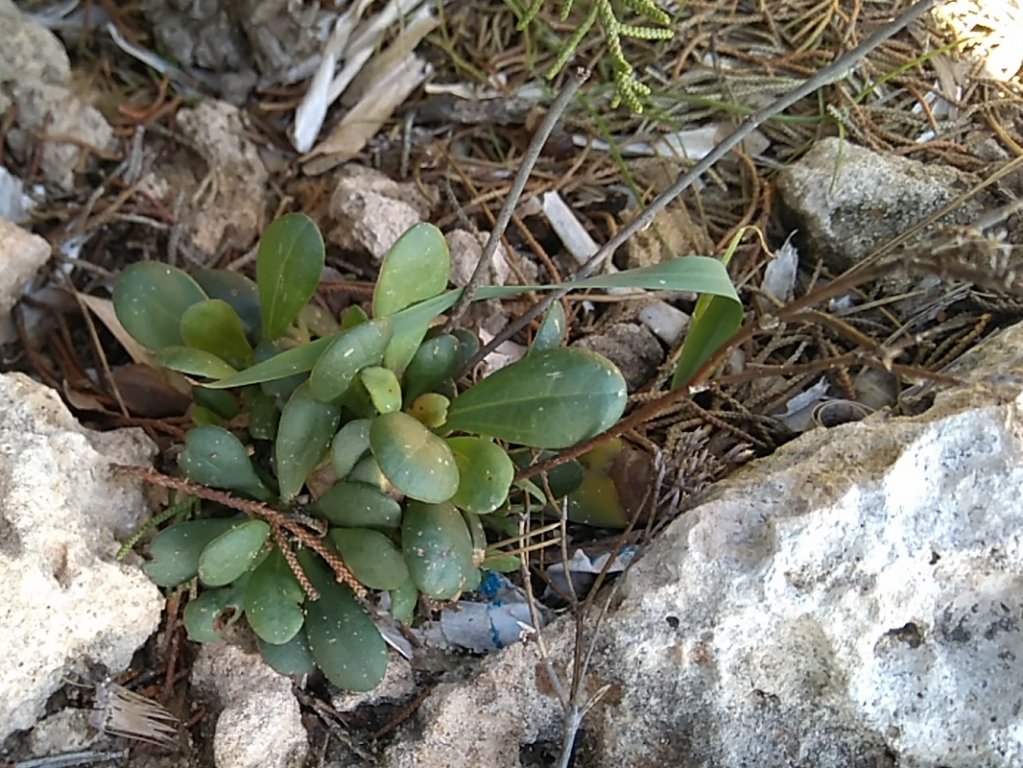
(35, 76)
(260, 723)
(62, 513)
(845, 200)
(21, 256)
(852, 600)
(371, 212)
(466, 248)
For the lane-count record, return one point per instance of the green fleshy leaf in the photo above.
(501, 562)
(214, 326)
(293, 658)
(149, 300)
(224, 404)
(350, 352)
(175, 551)
(437, 548)
(595, 501)
(383, 388)
(485, 474)
(194, 362)
(318, 321)
(353, 316)
(435, 362)
(552, 329)
(345, 643)
(358, 505)
(207, 616)
(238, 291)
(403, 602)
(282, 365)
(303, 436)
(263, 413)
(430, 409)
(372, 557)
(215, 457)
(550, 399)
(232, 553)
(350, 444)
(416, 268)
(412, 458)
(368, 472)
(289, 264)
(273, 600)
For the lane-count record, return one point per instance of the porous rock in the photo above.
(852, 600)
(21, 256)
(259, 724)
(466, 248)
(845, 200)
(62, 513)
(35, 77)
(370, 211)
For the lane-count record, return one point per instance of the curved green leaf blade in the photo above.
(232, 553)
(412, 458)
(437, 549)
(213, 611)
(345, 643)
(350, 444)
(358, 505)
(149, 300)
(350, 352)
(416, 268)
(372, 557)
(289, 264)
(215, 457)
(550, 399)
(485, 474)
(213, 326)
(273, 600)
(434, 363)
(194, 362)
(280, 366)
(303, 436)
(175, 551)
(238, 291)
(383, 388)
(552, 329)
(291, 658)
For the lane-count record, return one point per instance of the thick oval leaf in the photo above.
(416, 268)
(303, 436)
(350, 444)
(430, 409)
(345, 643)
(207, 616)
(224, 404)
(552, 329)
(238, 291)
(372, 557)
(280, 366)
(290, 658)
(232, 553)
(383, 388)
(550, 399)
(367, 472)
(214, 326)
(194, 362)
(434, 363)
(215, 457)
(485, 474)
(149, 300)
(403, 602)
(273, 600)
(350, 352)
(358, 505)
(437, 549)
(263, 413)
(412, 458)
(175, 551)
(288, 269)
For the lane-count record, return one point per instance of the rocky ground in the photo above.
(850, 597)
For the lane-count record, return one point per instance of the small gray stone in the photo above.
(21, 256)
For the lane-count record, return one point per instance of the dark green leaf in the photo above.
(434, 363)
(367, 472)
(303, 436)
(345, 643)
(714, 322)
(194, 362)
(350, 444)
(175, 550)
(224, 404)
(403, 602)
(437, 548)
(273, 600)
(372, 557)
(358, 505)
(238, 291)
(263, 413)
(232, 553)
(412, 458)
(293, 658)
(416, 268)
(288, 269)
(552, 329)
(149, 300)
(213, 326)
(383, 388)
(280, 366)
(550, 399)
(215, 457)
(350, 352)
(207, 616)
(485, 474)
